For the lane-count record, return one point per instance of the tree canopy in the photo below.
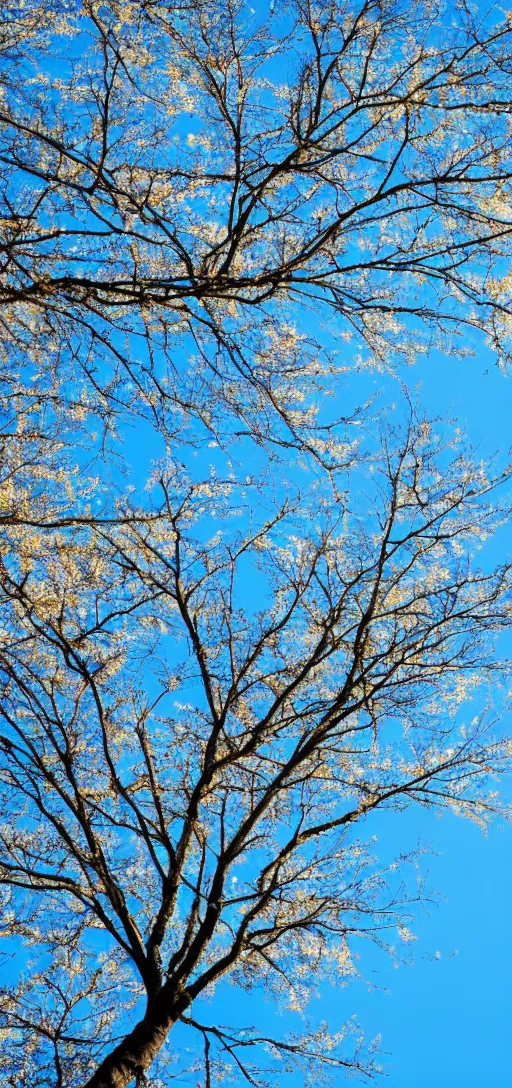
(235, 623)
(202, 171)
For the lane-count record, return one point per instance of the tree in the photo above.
(187, 753)
(213, 680)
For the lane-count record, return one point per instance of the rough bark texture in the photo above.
(137, 1051)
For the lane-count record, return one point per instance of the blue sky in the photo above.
(446, 1022)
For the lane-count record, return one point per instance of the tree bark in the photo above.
(136, 1052)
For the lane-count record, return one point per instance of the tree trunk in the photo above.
(136, 1052)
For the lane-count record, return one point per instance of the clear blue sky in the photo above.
(447, 1022)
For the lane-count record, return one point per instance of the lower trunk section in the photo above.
(135, 1054)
